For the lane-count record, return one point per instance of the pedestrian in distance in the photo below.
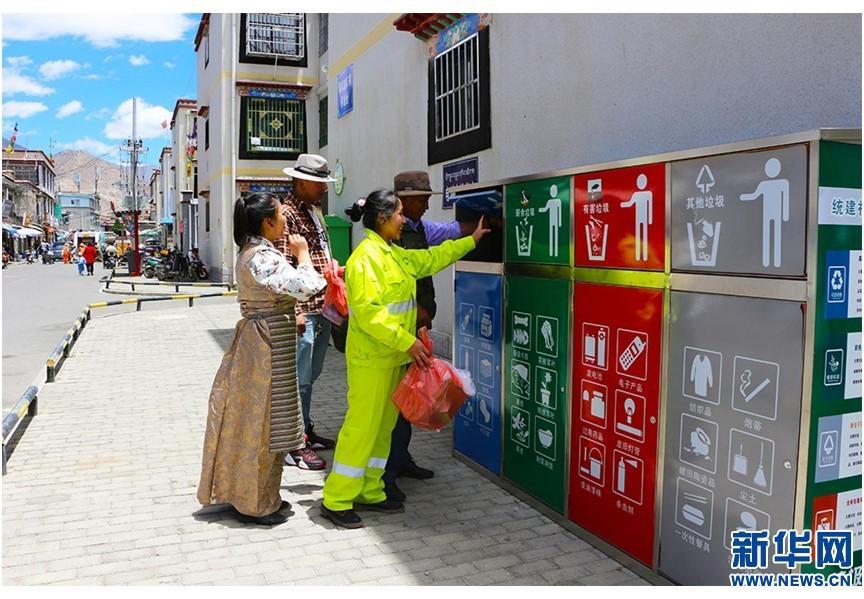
(89, 254)
(254, 414)
(381, 280)
(79, 259)
(303, 216)
(67, 255)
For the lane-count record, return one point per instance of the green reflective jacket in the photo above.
(382, 286)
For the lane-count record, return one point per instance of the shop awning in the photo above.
(28, 232)
(10, 229)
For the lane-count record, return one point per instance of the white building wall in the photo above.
(220, 165)
(570, 90)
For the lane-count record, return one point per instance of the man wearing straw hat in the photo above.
(303, 216)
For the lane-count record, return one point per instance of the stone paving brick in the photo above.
(128, 475)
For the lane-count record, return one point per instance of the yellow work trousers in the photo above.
(363, 444)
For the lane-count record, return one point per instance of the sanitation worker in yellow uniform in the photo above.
(382, 283)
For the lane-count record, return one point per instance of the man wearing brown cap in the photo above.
(414, 190)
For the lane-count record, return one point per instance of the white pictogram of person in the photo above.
(553, 207)
(775, 206)
(643, 200)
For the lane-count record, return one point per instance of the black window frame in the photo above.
(207, 133)
(304, 62)
(322, 122)
(207, 46)
(207, 215)
(244, 133)
(469, 142)
(323, 33)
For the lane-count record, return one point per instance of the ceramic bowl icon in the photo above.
(545, 438)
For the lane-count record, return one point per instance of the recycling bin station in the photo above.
(681, 349)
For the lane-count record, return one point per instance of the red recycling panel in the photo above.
(620, 217)
(616, 388)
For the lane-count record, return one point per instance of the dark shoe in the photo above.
(388, 506)
(412, 470)
(394, 493)
(343, 518)
(273, 519)
(316, 440)
(305, 459)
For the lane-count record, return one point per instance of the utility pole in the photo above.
(134, 146)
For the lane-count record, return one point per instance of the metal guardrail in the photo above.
(29, 405)
(29, 400)
(109, 280)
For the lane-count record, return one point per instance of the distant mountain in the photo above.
(77, 172)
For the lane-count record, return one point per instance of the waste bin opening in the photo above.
(470, 206)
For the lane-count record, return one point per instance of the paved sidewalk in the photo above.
(101, 489)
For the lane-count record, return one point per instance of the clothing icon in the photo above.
(775, 210)
(644, 216)
(702, 374)
(553, 207)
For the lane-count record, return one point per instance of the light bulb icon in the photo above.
(629, 409)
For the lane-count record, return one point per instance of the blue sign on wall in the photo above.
(479, 348)
(842, 292)
(458, 173)
(345, 91)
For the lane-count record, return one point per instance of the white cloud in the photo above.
(19, 61)
(168, 65)
(92, 77)
(101, 114)
(150, 119)
(16, 83)
(22, 110)
(87, 144)
(138, 61)
(101, 30)
(54, 69)
(69, 109)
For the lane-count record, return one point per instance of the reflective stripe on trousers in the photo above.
(364, 439)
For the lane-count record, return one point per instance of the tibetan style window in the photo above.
(272, 128)
(458, 110)
(268, 38)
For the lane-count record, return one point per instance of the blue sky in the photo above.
(70, 78)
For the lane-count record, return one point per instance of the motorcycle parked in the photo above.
(150, 265)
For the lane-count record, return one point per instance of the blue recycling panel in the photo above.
(479, 347)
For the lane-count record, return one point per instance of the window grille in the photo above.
(457, 89)
(322, 122)
(276, 34)
(275, 125)
(323, 22)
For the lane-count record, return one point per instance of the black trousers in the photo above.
(89, 269)
(399, 456)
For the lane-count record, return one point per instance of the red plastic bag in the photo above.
(335, 297)
(430, 398)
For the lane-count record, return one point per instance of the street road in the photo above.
(40, 302)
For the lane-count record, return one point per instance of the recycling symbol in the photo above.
(837, 280)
